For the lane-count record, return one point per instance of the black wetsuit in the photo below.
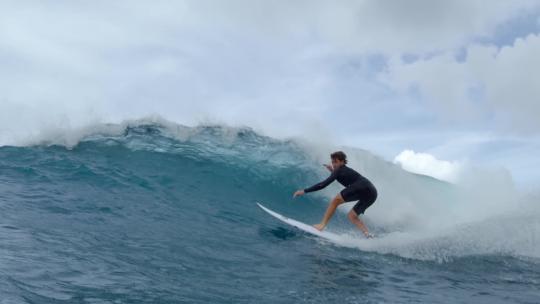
(357, 187)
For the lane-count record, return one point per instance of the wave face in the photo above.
(156, 212)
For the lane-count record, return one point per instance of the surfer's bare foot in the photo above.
(319, 227)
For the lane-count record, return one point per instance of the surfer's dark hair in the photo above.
(339, 155)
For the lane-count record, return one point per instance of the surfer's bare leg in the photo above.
(353, 217)
(330, 211)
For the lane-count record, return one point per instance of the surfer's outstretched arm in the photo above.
(322, 184)
(317, 186)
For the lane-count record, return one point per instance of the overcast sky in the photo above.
(457, 81)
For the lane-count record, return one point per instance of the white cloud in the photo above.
(369, 26)
(499, 84)
(427, 164)
(273, 65)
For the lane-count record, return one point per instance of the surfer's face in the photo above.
(336, 163)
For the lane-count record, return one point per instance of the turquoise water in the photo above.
(150, 215)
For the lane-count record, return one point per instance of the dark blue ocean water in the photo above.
(144, 217)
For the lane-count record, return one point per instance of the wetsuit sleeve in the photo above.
(322, 184)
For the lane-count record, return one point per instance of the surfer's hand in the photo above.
(298, 193)
(329, 167)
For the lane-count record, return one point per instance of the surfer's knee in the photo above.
(352, 216)
(338, 199)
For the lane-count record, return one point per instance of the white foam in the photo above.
(424, 218)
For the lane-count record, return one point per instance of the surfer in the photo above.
(357, 188)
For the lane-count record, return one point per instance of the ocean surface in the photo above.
(163, 213)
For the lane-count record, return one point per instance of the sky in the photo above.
(431, 85)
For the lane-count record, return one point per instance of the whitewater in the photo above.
(150, 211)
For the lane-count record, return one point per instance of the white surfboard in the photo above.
(304, 227)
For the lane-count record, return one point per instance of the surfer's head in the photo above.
(338, 159)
